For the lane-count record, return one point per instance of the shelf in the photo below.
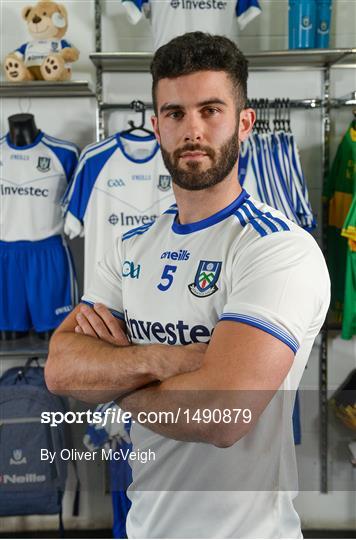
(43, 89)
(268, 60)
(27, 346)
(302, 59)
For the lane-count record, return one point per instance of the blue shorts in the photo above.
(37, 284)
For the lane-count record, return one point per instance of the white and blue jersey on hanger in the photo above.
(270, 170)
(36, 273)
(120, 183)
(175, 17)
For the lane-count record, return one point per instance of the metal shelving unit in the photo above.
(269, 60)
(44, 89)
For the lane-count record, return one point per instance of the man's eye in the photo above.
(211, 111)
(175, 115)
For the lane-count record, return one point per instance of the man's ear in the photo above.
(154, 121)
(25, 12)
(246, 122)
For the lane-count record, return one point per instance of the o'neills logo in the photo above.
(29, 478)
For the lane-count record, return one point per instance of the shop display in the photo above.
(339, 191)
(270, 170)
(37, 275)
(170, 19)
(48, 56)
(119, 184)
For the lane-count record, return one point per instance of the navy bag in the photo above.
(29, 485)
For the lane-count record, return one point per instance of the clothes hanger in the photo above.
(139, 107)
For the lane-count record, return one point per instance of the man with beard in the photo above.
(200, 324)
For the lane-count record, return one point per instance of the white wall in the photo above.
(74, 119)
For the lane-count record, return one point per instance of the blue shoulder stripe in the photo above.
(268, 218)
(263, 222)
(95, 146)
(137, 230)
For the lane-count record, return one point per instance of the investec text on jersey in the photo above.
(198, 4)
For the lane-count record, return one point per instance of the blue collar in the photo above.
(136, 138)
(211, 220)
(35, 142)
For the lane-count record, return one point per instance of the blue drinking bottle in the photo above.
(304, 23)
(292, 26)
(323, 17)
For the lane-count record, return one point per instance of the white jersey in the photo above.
(33, 180)
(35, 52)
(171, 18)
(119, 183)
(172, 284)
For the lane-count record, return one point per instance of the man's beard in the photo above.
(192, 178)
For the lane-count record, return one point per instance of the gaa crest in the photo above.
(164, 182)
(205, 278)
(43, 164)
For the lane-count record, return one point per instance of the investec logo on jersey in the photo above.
(198, 4)
(170, 333)
(127, 220)
(23, 191)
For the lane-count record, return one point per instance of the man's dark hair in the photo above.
(197, 51)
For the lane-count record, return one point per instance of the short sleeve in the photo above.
(246, 11)
(65, 44)
(21, 51)
(77, 195)
(106, 285)
(135, 9)
(280, 284)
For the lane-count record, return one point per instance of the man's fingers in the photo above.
(95, 321)
(85, 325)
(78, 330)
(111, 322)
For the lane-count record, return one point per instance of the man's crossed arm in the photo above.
(242, 367)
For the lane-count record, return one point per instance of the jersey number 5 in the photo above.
(167, 276)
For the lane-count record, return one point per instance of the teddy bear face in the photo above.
(46, 20)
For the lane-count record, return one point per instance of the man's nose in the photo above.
(193, 129)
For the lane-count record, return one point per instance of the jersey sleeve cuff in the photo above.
(133, 13)
(245, 18)
(72, 226)
(264, 325)
(116, 314)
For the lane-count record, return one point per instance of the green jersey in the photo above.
(339, 190)
(349, 314)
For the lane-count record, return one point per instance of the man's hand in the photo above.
(100, 323)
